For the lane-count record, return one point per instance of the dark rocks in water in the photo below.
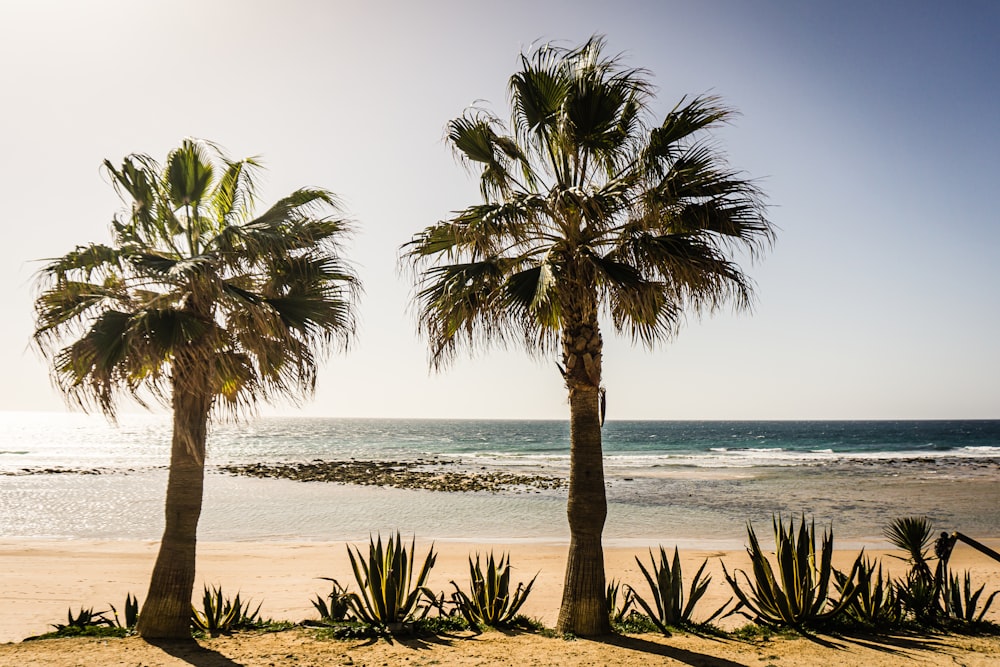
(402, 475)
(54, 471)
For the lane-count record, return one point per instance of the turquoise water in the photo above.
(78, 441)
(670, 482)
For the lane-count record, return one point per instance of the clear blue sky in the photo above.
(873, 126)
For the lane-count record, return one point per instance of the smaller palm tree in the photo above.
(202, 305)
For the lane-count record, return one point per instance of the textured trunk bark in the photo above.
(583, 611)
(166, 612)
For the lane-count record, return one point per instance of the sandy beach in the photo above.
(39, 579)
(76, 537)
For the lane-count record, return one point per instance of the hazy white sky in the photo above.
(873, 127)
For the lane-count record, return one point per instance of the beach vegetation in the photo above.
(490, 601)
(88, 623)
(797, 590)
(390, 593)
(877, 605)
(200, 304)
(634, 623)
(86, 617)
(334, 607)
(962, 603)
(220, 615)
(923, 592)
(913, 535)
(131, 611)
(666, 587)
(593, 213)
(619, 600)
(429, 626)
(63, 631)
(753, 632)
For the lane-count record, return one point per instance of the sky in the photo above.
(871, 127)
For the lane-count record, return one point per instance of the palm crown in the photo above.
(582, 202)
(192, 275)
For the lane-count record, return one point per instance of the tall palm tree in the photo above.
(203, 306)
(589, 213)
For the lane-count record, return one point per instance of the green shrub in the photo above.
(220, 615)
(921, 591)
(666, 585)
(615, 591)
(86, 618)
(961, 602)
(797, 594)
(131, 610)
(86, 623)
(913, 535)
(334, 607)
(489, 601)
(389, 596)
(877, 604)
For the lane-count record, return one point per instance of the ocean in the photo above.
(67, 476)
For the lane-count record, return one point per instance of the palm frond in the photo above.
(189, 173)
(684, 121)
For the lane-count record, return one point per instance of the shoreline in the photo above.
(690, 507)
(41, 578)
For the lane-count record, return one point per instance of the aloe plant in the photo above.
(337, 608)
(131, 610)
(961, 602)
(389, 594)
(666, 585)
(220, 615)
(615, 592)
(877, 603)
(489, 601)
(796, 592)
(86, 618)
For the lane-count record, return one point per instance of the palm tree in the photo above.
(589, 212)
(199, 304)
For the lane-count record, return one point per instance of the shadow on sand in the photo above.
(193, 653)
(665, 650)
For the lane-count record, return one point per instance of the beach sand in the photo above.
(40, 579)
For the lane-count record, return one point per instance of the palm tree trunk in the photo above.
(583, 611)
(166, 612)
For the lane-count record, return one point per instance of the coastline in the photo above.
(86, 538)
(687, 506)
(40, 579)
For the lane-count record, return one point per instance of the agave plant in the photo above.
(666, 584)
(337, 608)
(131, 610)
(389, 595)
(86, 618)
(220, 615)
(617, 612)
(797, 595)
(961, 602)
(877, 604)
(489, 601)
